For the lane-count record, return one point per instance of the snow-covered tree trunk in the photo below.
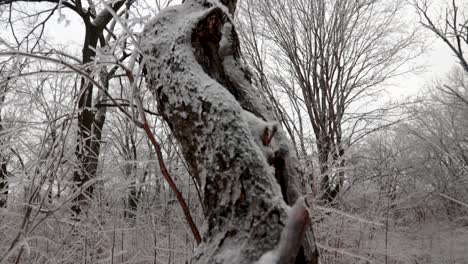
(231, 142)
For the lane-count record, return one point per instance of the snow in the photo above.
(271, 257)
(220, 135)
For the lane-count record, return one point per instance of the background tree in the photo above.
(439, 126)
(3, 154)
(90, 119)
(331, 57)
(450, 26)
(45, 172)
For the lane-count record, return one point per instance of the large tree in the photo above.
(234, 147)
(91, 120)
(329, 58)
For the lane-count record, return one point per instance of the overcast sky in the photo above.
(437, 61)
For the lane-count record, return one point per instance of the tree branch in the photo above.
(64, 3)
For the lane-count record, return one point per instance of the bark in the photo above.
(3, 159)
(130, 154)
(90, 120)
(330, 157)
(90, 124)
(3, 180)
(230, 140)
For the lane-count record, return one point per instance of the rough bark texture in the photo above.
(3, 158)
(205, 95)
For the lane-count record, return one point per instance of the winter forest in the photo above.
(233, 131)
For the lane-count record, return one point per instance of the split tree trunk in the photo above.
(229, 138)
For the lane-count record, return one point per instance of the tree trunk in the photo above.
(89, 128)
(331, 157)
(91, 120)
(3, 159)
(229, 138)
(3, 181)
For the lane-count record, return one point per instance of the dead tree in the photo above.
(235, 150)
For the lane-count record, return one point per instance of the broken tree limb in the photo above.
(205, 95)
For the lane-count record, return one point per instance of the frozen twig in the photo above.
(454, 200)
(360, 219)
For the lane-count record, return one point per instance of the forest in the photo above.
(233, 131)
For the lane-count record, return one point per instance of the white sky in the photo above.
(438, 60)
